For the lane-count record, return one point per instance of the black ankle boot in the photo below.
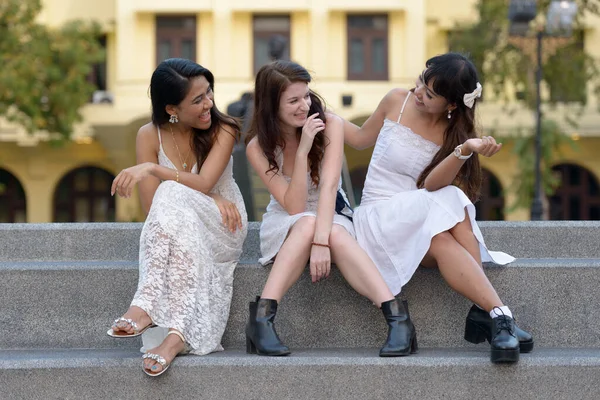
(478, 328)
(504, 343)
(402, 336)
(261, 337)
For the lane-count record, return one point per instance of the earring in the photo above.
(449, 114)
(175, 120)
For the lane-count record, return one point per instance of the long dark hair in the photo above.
(169, 85)
(453, 76)
(271, 81)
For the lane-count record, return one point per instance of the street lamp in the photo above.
(559, 22)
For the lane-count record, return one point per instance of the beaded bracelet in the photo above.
(177, 176)
(320, 244)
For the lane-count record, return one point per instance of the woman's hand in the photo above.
(320, 262)
(230, 215)
(486, 146)
(312, 126)
(126, 180)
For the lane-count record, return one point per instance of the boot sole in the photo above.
(272, 354)
(526, 347)
(504, 356)
(251, 349)
(413, 349)
(474, 334)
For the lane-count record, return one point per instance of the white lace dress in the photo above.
(277, 223)
(187, 258)
(396, 221)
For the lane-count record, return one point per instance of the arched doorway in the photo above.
(490, 206)
(83, 195)
(12, 199)
(577, 197)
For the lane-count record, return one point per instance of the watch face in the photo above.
(457, 152)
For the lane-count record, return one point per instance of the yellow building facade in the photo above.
(356, 50)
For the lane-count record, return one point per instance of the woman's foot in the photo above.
(133, 323)
(504, 343)
(168, 350)
(402, 336)
(478, 329)
(261, 337)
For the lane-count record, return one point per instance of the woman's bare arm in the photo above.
(146, 149)
(445, 172)
(366, 136)
(291, 196)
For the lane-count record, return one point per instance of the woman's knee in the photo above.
(304, 228)
(440, 242)
(463, 227)
(338, 236)
(167, 185)
(162, 192)
(172, 193)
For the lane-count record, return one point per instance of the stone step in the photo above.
(71, 305)
(120, 241)
(547, 374)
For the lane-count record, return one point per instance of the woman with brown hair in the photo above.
(297, 150)
(417, 205)
(196, 224)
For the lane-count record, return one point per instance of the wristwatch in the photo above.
(458, 153)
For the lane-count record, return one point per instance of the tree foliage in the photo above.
(508, 70)
(553, 142)
(44, 73)
(507, 67)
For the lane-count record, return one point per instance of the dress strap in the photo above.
(159, 136)
(403, 105)
(279, 158)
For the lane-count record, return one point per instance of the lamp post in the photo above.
(559, 22)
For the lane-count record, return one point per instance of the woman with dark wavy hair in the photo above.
(297, 150)
(196, 223)
(417, 205)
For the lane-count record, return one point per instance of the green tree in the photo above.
(553, 140)
(507, 67)
(44, 73)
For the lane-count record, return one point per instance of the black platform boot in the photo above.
(261, 337)
(402, 336)
(478, 328)
(504, 344)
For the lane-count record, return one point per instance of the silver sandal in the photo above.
(161, 360)
(136, 331)
(158, 359)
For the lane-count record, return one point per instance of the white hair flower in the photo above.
(469, 98)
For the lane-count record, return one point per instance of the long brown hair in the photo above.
(169, 85)
(453, 76)
(271, 81)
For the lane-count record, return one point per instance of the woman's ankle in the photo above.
(499, 311)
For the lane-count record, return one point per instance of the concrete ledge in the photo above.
(307, 374)
(71, 305)
(86, 241)
(56, 242)
(120, 241)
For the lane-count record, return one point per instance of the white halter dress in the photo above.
(396, 221)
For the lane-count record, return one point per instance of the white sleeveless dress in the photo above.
(187, 258)
(396, 221)
(277, 223)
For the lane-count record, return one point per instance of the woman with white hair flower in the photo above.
(416, 206)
